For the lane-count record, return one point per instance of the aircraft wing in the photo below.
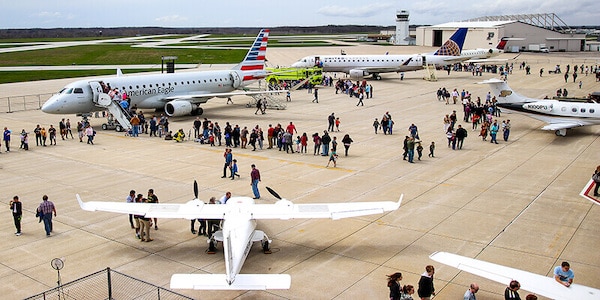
(285, 210)
(538, 284)
(191, 210)
(486, 60)
(562, 125)
(203, 98)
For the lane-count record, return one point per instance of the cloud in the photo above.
(171, 19)
(353, 11)
(48, 14)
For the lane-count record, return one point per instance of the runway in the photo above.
(515, 203)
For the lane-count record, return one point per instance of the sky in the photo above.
(266, 14)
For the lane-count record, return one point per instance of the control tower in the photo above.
(402, 33)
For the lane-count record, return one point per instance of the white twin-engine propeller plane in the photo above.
(238, 232)
(560, 115)
(179, 94)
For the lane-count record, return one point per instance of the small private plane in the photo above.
(560, 115)
(238, 232)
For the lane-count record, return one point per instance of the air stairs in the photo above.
(430, 69)
(120, 115)
(274, 100)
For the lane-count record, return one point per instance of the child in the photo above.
(211, 140)
(431, 148)
(332, 158)
(298, 144)
(419, 150)
(234, 169)
(337, 123)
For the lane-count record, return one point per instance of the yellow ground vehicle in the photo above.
(295, 75)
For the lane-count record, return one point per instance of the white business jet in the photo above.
(560, 115)
(359, 66)
(539, 284)
(179, 94)
(238, 232)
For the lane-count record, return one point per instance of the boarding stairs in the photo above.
(430, 69)
(119, 113)
(274, 100)
(102, 99)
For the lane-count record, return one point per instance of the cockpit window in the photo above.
(78, 91)
(68, 91)
(61, 91)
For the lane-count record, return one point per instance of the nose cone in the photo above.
(52, 105)
(300, 64)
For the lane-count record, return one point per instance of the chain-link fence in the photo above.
(21, 103)
(108, 284)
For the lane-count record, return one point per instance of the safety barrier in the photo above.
(108, 284)
(22, 103)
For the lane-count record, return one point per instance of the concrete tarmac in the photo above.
(515, 203)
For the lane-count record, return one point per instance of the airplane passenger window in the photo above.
(78, 91)
(210, 80)
(150, 85)
(582, 110)
(182, 83)
(175, 83)
(137, 86)
(144, 86)
(164, 84)
(130, 88)
(169, 84)
(188, 82)
(592, 110)
(204, 80)
(574, 109)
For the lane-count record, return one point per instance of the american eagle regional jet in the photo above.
(238, 232)
(179, 94)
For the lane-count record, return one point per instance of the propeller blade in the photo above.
(195, 189)
(273, 193)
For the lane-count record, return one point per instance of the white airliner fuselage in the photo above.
(179, 94)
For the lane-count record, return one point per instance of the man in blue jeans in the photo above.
(47, 208)
(255, 177)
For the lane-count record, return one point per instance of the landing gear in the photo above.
(561, 132)
(376, 76)
(198, 111)
(265, 246)
(212, 246)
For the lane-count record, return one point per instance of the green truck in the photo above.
(295, 75)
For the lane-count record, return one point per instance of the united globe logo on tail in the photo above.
(454, 45)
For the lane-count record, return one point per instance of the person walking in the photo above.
(426, 288)
(506, 129)
(255, 179)
(228, 159)
(17, 211)
(346, 140)
(46, 209)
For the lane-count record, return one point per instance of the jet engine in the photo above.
(355, 73)
(178, 108)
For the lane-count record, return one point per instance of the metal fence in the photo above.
(21, 103)
(108, 284)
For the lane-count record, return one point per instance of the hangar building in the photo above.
(524, 33)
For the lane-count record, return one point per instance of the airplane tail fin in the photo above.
(242, 282)
(502, 44)
(454, 45)
(503, 93)
(253, 66)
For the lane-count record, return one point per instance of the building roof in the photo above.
(474, 24)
